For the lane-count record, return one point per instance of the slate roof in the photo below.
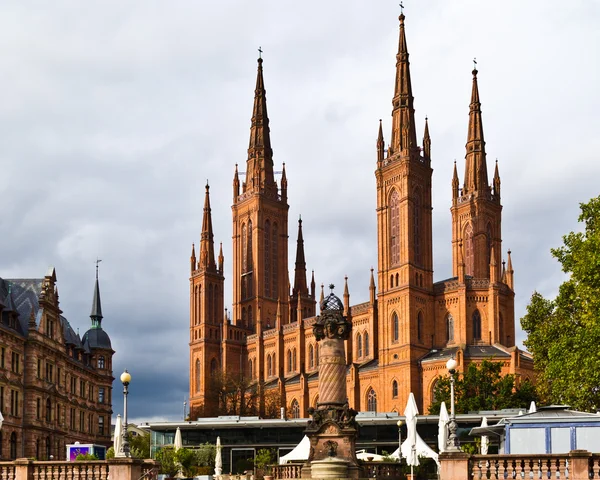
(470, 351)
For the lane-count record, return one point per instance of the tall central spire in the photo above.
(300, 287)
(259, 169)
(476, 177)
(404, 136)
(207, 246)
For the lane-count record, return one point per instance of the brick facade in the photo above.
(55, 388)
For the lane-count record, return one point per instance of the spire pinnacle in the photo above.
(259, 169)
(380, 145)
(300, 287)
(96, 313)
(476, 178)
(404, 135)
(221, 258)
(426, 141)
(455, 182)
(496, 183)
(236, 184)
(207, 247)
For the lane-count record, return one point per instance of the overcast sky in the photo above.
(114, 114)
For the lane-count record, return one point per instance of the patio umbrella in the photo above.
(443, 428)
(117, 437)
(532, 407)
(1, 420)
(178, 443)
(218, 459)
(485, 441)
(410, 415)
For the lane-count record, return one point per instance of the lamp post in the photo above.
(184, 409)
(452, 443)
(400, 423)
(125, 379)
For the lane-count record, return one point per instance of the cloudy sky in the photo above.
(114, 114)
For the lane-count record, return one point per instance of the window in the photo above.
(449, 328)
(274, 259)
(267, 236)
(419, 326)
(317, 354)
(101, 395)
(476, 325)
(13, 446)
(1, 401)
(14, 403)
(394, 389)
(366, 342)
(48, 451)
(49, 372)
(2, 357)
(101, 361)
(100, 425)
(295, 409)
(213, 366)
(39, 368)
(48, 410)
(311, 357)
(395, 228)
(417, 208)
(15, 366)
(294, 360)
(489, 243)
(269, 366)
(38, 408)
(359, 346)
(197, 376)
(81, 421)
(289, 360)
(395, 328)
(58, 376)
(371, 401)
(72, 418)
(81, 388)
(469, 254)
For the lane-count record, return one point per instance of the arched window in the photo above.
(250, 368)
(274, 364)
(395, 327)
(38, 408)
(469, 253)
(197, 375)
(394, 389)
(371, 400)
(48, 410)
(417, 209)
(366, 344)
(419, 326)
(397, 280)
(269, 366)
(489, 239)
(210, 304)
(311, 357)
(476, 325)
(274, 260)
(13, 446)
(213, 366)
(267, 236)
(317, 354)
(501, 329)
(395, 228)
(295, 409)
(289, 360)
(359, 346)
(449, 328)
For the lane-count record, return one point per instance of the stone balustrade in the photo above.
(287, 471)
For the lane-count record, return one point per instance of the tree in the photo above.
(563, 334)
(482, 387)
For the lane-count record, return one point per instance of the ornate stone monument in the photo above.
(332, 429)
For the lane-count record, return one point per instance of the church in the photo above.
(411, 325)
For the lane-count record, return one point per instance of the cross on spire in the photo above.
(474, 63)
(260, 52)
(97, 262)
(401, 8)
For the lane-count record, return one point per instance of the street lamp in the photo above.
(184, 409)
(400, 423)
(125, 379)
(452, 443)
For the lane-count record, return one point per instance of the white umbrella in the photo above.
(117, 437)
(368, 456)
(218, 459)
(178, 443)
(1, 420)
(532, 407)
(443, 428)
(485, 441)
(410, 416)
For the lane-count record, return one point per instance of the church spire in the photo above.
(476, 177)
(259, 169)
(426, 141)
(207, 247)
(300, 287)
(96, 314)
(404, 136)
(455, 182)
(380, 146)
(496, 183)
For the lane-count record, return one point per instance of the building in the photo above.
(55, 386)
(411, 325)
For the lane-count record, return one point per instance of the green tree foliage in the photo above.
(564, 334)
(482, 387)
(139, 445)
(84, 457)
(265, 457)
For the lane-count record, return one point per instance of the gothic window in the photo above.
(269, 366)
(359, 346)
(213, 366)
(469, 253)
(311, 358)
(289, 360)
(366, 344)
(489, 243)
(267, 259)
(274, 364)
(449, 328)
(417, 220)
(501, 329)
(395, 228)
(392, 281)
(419, 326)
(274, 260)
(371, 401)
(294, 360)
(476, 325)
(197, 376)
(210, 304)
(250, 368)
(397, 280)
(317, 354)
(395, 327)
(295, 409)
(394, 389)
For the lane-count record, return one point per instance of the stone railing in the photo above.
(115, 469)
(288, 470)
(575, 465)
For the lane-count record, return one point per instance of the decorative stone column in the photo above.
(332, 429)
